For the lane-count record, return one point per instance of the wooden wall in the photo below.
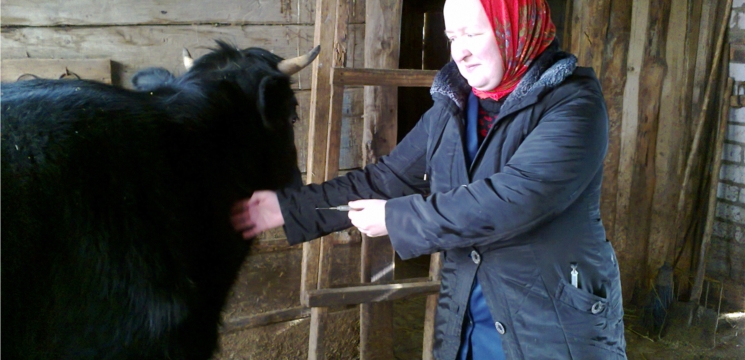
(653, 59)
(138, 34)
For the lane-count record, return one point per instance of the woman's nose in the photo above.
(459, 52)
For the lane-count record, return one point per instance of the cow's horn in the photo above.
(291, 66)
(188, 61)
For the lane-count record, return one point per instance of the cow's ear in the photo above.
(269, 100)
(151, 78)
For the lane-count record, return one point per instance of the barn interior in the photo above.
(673, 199)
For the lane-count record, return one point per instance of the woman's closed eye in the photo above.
(452, 38)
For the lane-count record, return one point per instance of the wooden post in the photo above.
(332, 17)
(613, 80)
(671, 141)
(435, 263)
(626, 247)
(644, 176)
(382, 32)
(699, 279)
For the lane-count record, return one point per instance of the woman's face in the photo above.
(473, 45)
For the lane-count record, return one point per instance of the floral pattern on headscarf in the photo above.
(523, 29)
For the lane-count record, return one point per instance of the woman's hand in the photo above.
(369, 217)
(257, 214)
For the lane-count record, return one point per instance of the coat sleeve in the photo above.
(547, 173)
(398, 174)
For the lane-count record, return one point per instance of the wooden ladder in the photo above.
(377, 289)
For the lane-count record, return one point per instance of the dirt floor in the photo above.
(677, 342)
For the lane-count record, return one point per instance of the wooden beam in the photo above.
(428, 344)
(267, 318)
(644, 176)
(720, 45)
(323, 152)
(369, 293)
(312, 268)
(705, 46)
(132, 48)
(671, 140)
(737, 101)
(613, 80)
(627, 247)
(382, 46)
(382, 77)
(134, 12)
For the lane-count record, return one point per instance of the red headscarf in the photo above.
(523, 29)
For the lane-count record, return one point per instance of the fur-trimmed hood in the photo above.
(548, 71)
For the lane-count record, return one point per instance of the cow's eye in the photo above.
(294, 119)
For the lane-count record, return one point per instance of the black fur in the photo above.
(116, 241)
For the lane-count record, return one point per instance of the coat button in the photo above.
(598, 307)
(500, 327)
(475, 257)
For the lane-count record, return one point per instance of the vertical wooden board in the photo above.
(706, 39)
(382, 46)
(670, 141)
(643, 179)
(428, 343)
(357, 11)
(89, 69)
(686, 93)
(593, 34)
(345, 261)
(350, 156)
(436, 47)
(625, 245)
(573, 42)
(131, 12)
(613, 81)
(411, 55)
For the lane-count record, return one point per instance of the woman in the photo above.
(503, 176)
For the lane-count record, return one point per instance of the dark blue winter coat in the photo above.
(518, 218)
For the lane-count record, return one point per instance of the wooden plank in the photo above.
(170, 12)
(369, 293)
(703, 57)
(613, 81)
(626, 247)
(718, 56)
(428, 343)
(264, 319)
(670, 141)
(383, 77)
(382, 46)
(685, 211)
(737, 53)
(89, 69)
(133, 48)
(737, 101)
(644, 167)
(323, 153)
(350, 156)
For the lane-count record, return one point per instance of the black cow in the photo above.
(116, 240)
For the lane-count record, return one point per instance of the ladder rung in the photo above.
(382, 77)
(368, 293)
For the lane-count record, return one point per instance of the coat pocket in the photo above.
(590, 322)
